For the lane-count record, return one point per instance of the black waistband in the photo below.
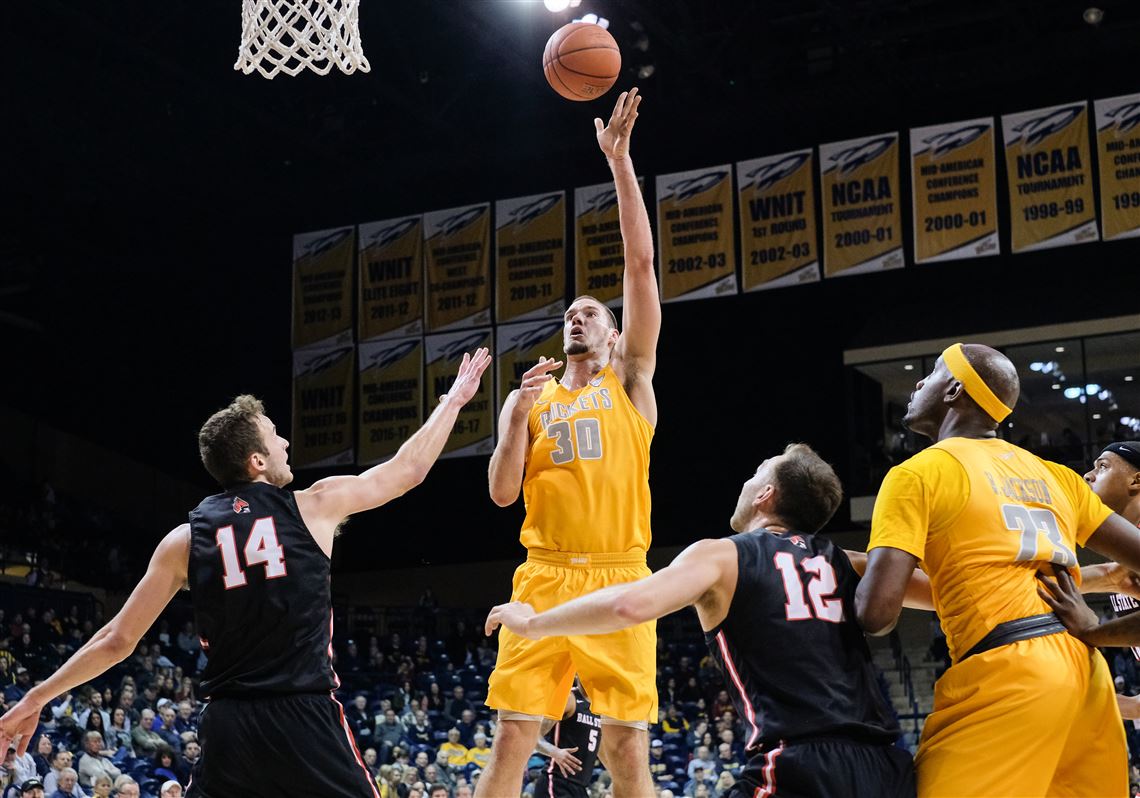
(1021, 629)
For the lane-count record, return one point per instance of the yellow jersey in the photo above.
(983, 517)
(586, 484)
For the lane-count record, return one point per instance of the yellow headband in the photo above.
(976, 388)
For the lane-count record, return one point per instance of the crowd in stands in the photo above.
(415, 707)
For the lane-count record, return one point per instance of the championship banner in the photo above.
(530, 257)
(954, 182)
(458, 260)
(777, 221)
(519, 346)
(391, 396)
(322, 287)
(391, 279)
(862, 221)
(474, 430)
(1118, 150)
(696, 241)
(322, 407)
(598, 249)
(1048, 163)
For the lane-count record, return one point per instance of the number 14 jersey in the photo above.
(586, 484)
(260, 588)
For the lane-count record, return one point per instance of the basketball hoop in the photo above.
(291, 35)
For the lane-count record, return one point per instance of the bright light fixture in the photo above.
(908, 367)
(1128, 378)
(1056, 386)
(1096, 416)
(1072, 393)
(1055, 349)
(554, 6)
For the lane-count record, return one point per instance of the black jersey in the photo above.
(260, 587)
(1125, 605)
(794, 657)
(582, 730)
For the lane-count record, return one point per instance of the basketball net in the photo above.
(291, 35)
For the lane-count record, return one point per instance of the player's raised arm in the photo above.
(695, 572)
(508, 461)
(164, 577)
(641, 308)
(331, 500)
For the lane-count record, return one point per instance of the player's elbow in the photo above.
(503, 497)
(630, 609)
(874, 618)
(117, 645)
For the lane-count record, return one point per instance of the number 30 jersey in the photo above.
(984, 517)
(586, 484)
(794, 658)
(260, 588)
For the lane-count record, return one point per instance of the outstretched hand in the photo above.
(613, 138)
(1063, 596)
(532, 381)
(467, 380)
(19, 725)
(513, 616)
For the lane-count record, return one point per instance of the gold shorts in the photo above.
(618, 670)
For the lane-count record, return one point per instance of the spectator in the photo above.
(370, 762)
(101, 787)
(359, 720)
(126, 787)
(389, 732)
(67, 785)
(436, 701)
(674, 722)
(43, 755)
(466, 726)
(659, 768)
(464, 790)
(120, 731)
(95, 762)
(726, 760)
(439, 791)
(59, 763)
(457, 704)
(14, 692)
(419, 732)
(447, 772)
(696, 734)
(94, 705)
(455, 750)
(191, 753)
(166, 729)
(421, 763)
(186, 720)
(702, 759)
(434, 774)
(171, 789)
(143, 738)
(95, 724)
(162, 766)
(391, 778)
(723, 784)
(32, 788)
(698, 777)
(480, 752)
(20, 768)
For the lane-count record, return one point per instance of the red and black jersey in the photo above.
(260, 588)
(793, 655)
(582, 730)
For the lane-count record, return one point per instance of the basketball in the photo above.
(581, 61)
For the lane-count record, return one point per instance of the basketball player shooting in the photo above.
(256, 559)
(578, 448)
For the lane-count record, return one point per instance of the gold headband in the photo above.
(976, 388)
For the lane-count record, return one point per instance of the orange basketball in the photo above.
(581, 61)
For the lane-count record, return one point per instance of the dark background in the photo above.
(152, 195)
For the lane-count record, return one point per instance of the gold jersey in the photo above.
(586, 485)
(984, 516)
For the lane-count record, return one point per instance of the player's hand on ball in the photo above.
(1063, 596)
(533, 381)
(614, 137)
(514, 616)
(566, 761)
(467, 380)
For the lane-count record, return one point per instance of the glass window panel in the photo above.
(1050, 419)
(1113, 365)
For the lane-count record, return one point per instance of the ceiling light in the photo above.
(1092, 388)
(908, 367)
(1072, 393)
(1128, 378)
(1056, 386)
(554, 6)
(1036, 365)
(1096, 416)
(645, 71)
(1093, 15)
(1058, 349)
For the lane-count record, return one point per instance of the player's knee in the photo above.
(629, 746)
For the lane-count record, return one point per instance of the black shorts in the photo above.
(297, 745)
(827, 769)
(548, 786)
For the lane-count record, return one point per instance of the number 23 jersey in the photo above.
(586, 484)
(984, 517)
(260, 588)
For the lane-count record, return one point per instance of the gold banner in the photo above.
(518, 347)
(322, 407)
(1118, 151)
(391, 394)
(777, 221)
(391, 278)
(458, 267)
(954, 182)
(322, 287)
(599, 255)
(1048, 164)
(862, 221)
(473, 433)
(530, 257)
(696, 242)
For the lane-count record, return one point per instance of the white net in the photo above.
(291, 35)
